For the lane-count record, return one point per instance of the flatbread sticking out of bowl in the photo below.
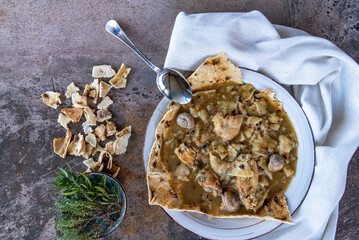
(215, 70)
(211, 155)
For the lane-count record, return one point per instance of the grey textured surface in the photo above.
(45, 45)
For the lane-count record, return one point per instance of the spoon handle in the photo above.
(113, 28)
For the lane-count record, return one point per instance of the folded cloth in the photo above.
(323, 80)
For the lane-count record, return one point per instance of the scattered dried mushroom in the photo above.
(52, 99)
(88, 146)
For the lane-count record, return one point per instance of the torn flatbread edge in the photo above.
(157, 174)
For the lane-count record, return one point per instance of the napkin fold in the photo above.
(322, 78)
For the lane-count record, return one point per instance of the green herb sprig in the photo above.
(83, 202)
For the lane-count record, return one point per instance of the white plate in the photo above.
(247, 228)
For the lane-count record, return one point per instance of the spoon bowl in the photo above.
(171, 83)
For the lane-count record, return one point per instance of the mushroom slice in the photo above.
(86, 127)
(100, 132)
(109, 148)
(110, 128)
(230, 201)
(121, 142)
(182, 172)
(62, 144)
(263, 164)
(91, 139)
(88, 150)
(185, 120)
(92, 91)
(288, 171)
(52, 99)
(119, 80)
(104, 88)
(187, 155)
(63, 120)
(103, 71)
(79, 101)
(90, 116)
(103, 115)
(74, 114)
(90, 163)
(227, 126)
(105, 103)
(77, 146)
(209, 181)
(71, 89)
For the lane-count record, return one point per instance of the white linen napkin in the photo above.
(323, 79)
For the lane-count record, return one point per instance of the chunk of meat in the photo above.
(187, 155)
(227, 126)
(247, 187)
(277, 208)
(209, 181)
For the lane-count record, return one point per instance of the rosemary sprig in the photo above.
(84, 201)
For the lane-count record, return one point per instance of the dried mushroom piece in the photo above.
(100, 132)
(120, 144)
(98, 148)
(91, 139)
(88, 150)
(79, 101)
(51, 99)
(63, 120)
(110, 128)
(105, 164)
(119, 80)
(74, 114)
(109, 148)
(105, 103)
(90, 163)
(91, 118)
(92, 91)
(104, 88)
(71, 89)
(86, 127)
(77, 146)
(103, 71)
(62, 144)
(103, 115)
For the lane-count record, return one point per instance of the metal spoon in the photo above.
(171, 83)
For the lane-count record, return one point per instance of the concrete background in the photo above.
(45, 45)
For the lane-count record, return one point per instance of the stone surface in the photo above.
(45, 45)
